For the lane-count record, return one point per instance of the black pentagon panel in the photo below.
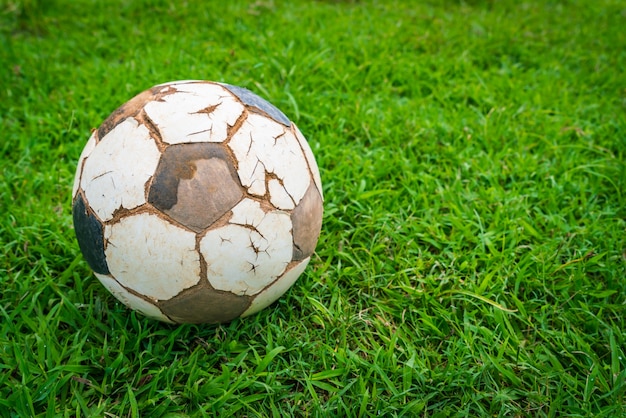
(204, 305)
(250, 99)
(90, 237)
(195, 184)
(307, 223)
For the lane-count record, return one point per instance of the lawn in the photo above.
(472, 260)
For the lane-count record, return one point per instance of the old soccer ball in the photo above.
(197, 202)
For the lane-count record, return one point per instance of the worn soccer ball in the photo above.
(197, 202)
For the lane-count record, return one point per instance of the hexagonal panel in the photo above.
(116, 171)
(262, 146)
(195, 184)
(196, 112)
(152, 256)
(249, 253)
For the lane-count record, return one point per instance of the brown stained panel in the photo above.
(204, 305)
(195, 184)
(307, 223)
(128, 109)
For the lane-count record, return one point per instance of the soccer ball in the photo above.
(197, 202)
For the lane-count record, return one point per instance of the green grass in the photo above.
(472, 258)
